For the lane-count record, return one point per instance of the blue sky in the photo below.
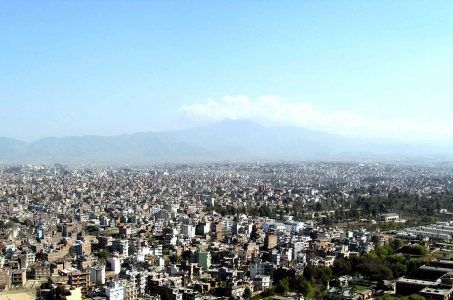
(360, 68)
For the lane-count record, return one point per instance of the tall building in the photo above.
(270, 241)
(114, 291)
(79, 279)
(188, 230)
(115, 264)
(204, 259)
(18, 277)
(97, 274)
(122, 246)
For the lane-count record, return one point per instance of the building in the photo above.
(257, 268)
(115, 264)
(81, 248)
(27, 259)
(188, 230)
(261, 282)
(122, 246)
(432, 272)
(42, 272)
(202, 228)
(130, 290)
(18, 277)
(204, 259)
(139, 279)
(437, 293)
(407, 286)
(79, 279)
(390, 217)
(270, 241)
(114, 291)
(5, 278)
(97, 274)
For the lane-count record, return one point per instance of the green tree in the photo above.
(282, 286)
(383, 251)
(103, 254)
(318, 274)
(374, 270)
(247, 293)
(398, 269)
(415, 250)
(341, 266)
(396, 244)
(304, 287)
(10, 224)
(176, 259)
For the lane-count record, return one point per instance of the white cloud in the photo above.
(275, 111)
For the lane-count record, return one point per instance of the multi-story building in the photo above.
(204, 259)
(18, 277)
(122, 246)
(260, 268)
(130, 290)
(27, 259)
(114, 291)
(97, 274)
(5, 278)
(115, 264)
(79, 279)
(188, 230)
(81, 248)
(271, 241)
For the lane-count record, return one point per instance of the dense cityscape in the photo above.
(226, 231)
(226, 150)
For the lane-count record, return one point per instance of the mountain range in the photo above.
(223, 141)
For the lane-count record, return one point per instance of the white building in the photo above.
(260, 268)
(115, 264)
(157, 250)
(139, 279)
(438, 231)
(293, 226)
(261, 282)
(27, 259)
(188, 230)
(97, 274)
(114, 291)
(391, 217)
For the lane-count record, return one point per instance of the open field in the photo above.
(18, 295)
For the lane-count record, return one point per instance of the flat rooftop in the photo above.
(436, 291)
(443, 261)
(434, 268)
(415, 281)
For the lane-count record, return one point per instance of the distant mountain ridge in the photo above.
(227, 140)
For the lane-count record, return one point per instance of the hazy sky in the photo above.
(359, 68)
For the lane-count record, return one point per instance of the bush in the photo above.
(247, 293)
(317, 274)
(375, 271)
(341, 267)
(415, 250)
(282, 287)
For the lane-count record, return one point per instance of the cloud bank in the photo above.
(278, 111)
